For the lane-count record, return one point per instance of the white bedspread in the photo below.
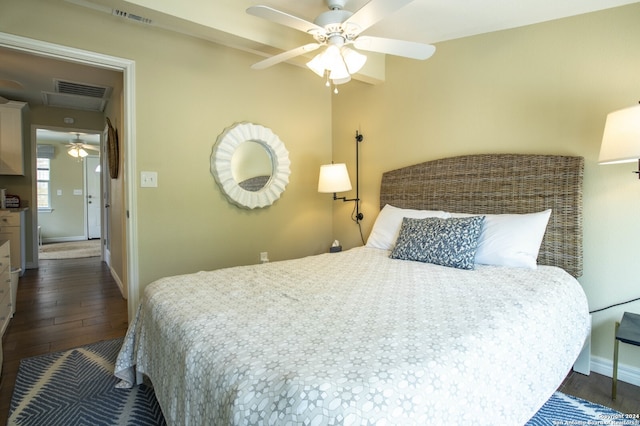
(356, 338)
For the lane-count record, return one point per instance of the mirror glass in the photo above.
(251, 165)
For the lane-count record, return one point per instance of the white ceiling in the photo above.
(52, 136)
(427, 21)
(25, 77)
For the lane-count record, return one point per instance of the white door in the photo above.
(93, 176)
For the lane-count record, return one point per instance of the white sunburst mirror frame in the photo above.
(221, 165)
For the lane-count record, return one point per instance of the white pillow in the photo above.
(387, 225)
(511, 239)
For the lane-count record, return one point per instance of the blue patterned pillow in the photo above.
(447, 242)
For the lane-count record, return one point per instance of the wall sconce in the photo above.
(621, 138)
(335, 178)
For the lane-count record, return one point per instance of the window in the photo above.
(43, 166)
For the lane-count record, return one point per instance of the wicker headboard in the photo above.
(501, 183)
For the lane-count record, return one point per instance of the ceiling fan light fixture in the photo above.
(341, 80)
(317, 65)
(339, 73)
(77, 152)
(354, 60)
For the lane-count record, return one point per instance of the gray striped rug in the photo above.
(77, 387)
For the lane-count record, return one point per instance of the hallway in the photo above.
(62, 305)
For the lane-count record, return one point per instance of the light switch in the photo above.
(77, 192)
(148, 179)
(59, 192)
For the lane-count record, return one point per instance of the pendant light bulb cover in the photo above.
(354, 60)
(317, 64)
(339, 72)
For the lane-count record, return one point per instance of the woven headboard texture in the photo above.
(498, 184)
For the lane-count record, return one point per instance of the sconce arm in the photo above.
(359, 216)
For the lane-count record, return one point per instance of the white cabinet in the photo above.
(11, 138)
(5, 291)
(5, 286)
(12, 228)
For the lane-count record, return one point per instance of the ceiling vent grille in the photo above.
(80, 89)
(132, 16)
(69, 94)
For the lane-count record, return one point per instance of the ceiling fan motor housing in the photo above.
(336, 4)
(332, 19)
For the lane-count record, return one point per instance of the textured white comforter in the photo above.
(356, 338)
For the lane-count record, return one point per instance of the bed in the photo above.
(373, 336)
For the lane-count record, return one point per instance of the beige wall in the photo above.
(187, 92)
(540, 89)
(66, 220)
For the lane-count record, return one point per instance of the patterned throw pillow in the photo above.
(447, 242)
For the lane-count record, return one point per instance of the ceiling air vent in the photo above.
(80, 89)
(69, 94)
(132, 16)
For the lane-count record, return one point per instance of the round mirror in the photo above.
(251, 165)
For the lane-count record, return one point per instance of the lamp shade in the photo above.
(354, 60)
(621, 138)
(334, 178)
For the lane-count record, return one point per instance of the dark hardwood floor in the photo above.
(70, 303)
(597, 388)
(62, 305)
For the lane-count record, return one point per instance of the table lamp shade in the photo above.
(621, 138)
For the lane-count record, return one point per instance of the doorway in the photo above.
(127, 224)
(69, 185)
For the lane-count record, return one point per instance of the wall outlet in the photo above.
(264, 256)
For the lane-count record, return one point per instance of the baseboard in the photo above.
(626, 373)
(63, 239)
(114, 275)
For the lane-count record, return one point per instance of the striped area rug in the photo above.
(562, 409)
(77, 387)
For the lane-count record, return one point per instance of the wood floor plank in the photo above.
(61, 305)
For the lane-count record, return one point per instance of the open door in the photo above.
(93, 173)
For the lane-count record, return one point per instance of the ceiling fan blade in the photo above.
(407, 49)
(93, 147)
(283, 18)
(284, 56)
(371, 13)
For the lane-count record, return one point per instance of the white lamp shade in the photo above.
(621, 138)
(334, 178)
(317, 64)
(354, 60)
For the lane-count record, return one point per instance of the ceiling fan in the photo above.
(78, 149)
(336, 29)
